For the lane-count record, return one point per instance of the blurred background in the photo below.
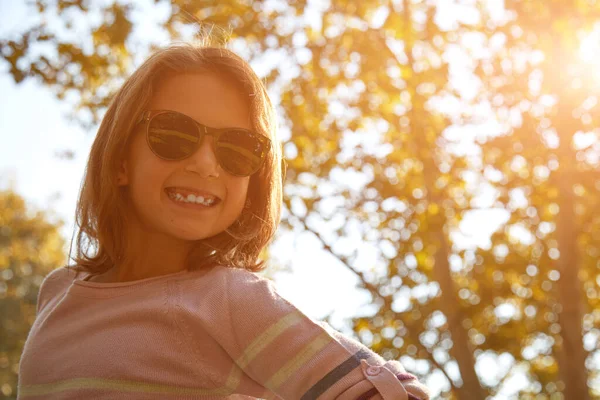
(442, 200)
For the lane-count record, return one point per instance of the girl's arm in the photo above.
(415, 390)
(296, 357)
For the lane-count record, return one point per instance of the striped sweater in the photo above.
(218, 333)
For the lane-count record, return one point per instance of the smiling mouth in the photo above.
(180, 196)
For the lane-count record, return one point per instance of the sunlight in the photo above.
(589, 49)
(587, 60)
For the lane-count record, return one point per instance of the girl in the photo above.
(182, 192)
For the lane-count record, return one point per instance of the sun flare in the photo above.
(589, 49)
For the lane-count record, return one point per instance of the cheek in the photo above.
(149, 175)
(239, 192)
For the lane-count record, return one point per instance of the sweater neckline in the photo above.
(101, 285)
(82, 288)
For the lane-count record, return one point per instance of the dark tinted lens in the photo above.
(172, 136)
(239, 152)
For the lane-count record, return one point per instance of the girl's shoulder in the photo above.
(239, 277)
(237, 284)
(61, 275)
(221, 273)
(54, 283)
(63, 271)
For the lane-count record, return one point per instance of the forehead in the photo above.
(209, 98)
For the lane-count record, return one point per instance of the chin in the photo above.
(193, 235)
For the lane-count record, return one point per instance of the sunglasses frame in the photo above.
(203, 131)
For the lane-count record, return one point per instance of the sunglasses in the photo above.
(174, 136)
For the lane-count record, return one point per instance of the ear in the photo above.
(122, 176)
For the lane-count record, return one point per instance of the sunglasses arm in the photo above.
(145, 117)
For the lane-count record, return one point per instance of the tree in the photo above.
(30, 247)
(546, 109)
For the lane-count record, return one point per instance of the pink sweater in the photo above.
(219, 333)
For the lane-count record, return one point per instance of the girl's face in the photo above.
(212, 101)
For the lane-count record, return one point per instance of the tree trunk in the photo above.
(571, 353)
(462, 348)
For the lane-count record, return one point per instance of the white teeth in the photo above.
(190, 198)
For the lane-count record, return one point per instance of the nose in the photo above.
(204, 160)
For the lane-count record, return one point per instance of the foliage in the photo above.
(549, 183)
(30, 247)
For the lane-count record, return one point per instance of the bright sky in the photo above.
(34, 127)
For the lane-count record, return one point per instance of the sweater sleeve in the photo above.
(296, 357)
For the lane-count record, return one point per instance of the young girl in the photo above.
(181, 194)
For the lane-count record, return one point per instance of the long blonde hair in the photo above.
(102, 214)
